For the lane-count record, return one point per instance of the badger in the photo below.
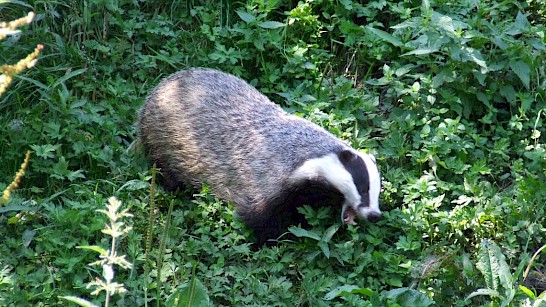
(205, 126)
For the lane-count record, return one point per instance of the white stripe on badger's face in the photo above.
(375, 182)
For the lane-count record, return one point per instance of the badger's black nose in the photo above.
(373, 216)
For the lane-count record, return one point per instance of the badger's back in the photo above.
(204, 125)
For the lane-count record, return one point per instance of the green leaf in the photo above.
(347, 289)
(192, 293)
(425, 7)
(409, 297)
(325, 248)
(28, 236)
(421, 51)
(300, 232)
(487, 292)
(527, 292)
(271, 24)
(246, 17)
(79, 301)
(385, 36)
(69, 75)
(75, 175)
(445, 23)
(476, 57)
(45, 151)
(330, 233)
(519, 26)
(522, 70)
(493, 266)
(97, 249)
(17, 208)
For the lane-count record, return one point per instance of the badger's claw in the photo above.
(348, 215)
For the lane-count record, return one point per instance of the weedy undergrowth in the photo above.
(110, 258)
(450, 96)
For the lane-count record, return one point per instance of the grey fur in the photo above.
(202, 125)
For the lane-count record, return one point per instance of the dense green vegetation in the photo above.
(450, 95)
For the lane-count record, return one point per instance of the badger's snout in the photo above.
(373, 216)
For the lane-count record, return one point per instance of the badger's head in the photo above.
(355, 175)
(362, 189)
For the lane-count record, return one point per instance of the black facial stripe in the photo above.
(357, 168)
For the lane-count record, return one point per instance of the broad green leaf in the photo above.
(347, 289)
(411, 23)
(409, 297)
(445, 23)
(493, 266)
(425, 6)
(527, 292)
(246, 17)
(300, 232)
(520, 25)
(386, 36)
(271, 24)
(421, 51)
(192, 293)
(486, 265)
(522, 70)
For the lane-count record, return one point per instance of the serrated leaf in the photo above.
(246, 17)
(385, 36)
(522, 70)
(45, 151)
(271, 24)
(347, 289)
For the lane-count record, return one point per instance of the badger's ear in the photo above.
(346, 156)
